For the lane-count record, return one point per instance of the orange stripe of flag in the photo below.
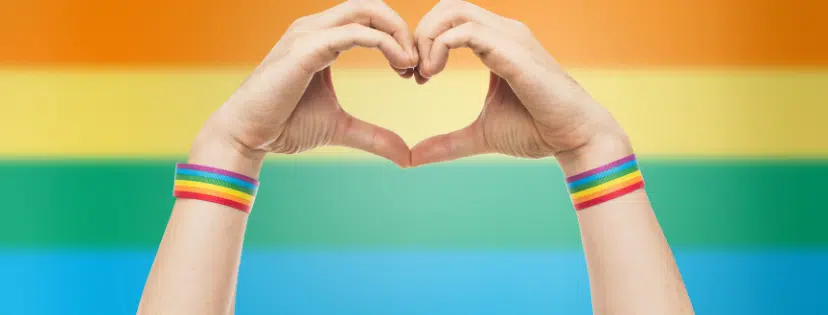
(582, 33)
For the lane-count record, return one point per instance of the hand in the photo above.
(533, 109)
(288, 105)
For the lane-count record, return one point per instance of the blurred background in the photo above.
(725, 101)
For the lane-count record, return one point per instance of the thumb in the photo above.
(451, 146)
(354, 133)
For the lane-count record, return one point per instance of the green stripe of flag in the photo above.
(514, 204)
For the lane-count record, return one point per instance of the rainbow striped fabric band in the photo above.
(605, 183)
(215, 185)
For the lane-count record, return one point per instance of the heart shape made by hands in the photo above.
(532, 109)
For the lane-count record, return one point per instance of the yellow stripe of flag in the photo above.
(667, 112)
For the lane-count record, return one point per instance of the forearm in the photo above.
(631, 266)
(287, 105)
(196, 266)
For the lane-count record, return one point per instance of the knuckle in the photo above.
(519, 26)
(360, 12)
(358, 4)
(286, 42)
(522, 27)
(456, 4)
(299, 23)
(362, 6)
(300, 41)
(470, 28)
(440, 41)
(353, 27)
(455, 17)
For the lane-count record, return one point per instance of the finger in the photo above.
(371, 13)
(419, 77)
(462, 143)
(399, 71)
(318, 50)
(408, 73)
(354, 133)
(499, 54)
(404, 73)
(446, 15)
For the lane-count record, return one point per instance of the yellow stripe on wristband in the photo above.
(224, 190)
(588, 193)
(608, 189)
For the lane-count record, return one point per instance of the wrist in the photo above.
(217, 148)
(599, 150)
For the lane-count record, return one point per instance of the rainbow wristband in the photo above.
(605, 183)
(215, 185)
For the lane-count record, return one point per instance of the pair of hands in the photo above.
(533, 109)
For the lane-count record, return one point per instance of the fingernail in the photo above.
(425, 76)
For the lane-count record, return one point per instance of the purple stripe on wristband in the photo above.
(217, 171)
(600, 169)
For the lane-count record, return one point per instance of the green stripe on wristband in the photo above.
(606, 179)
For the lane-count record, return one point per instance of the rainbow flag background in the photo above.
(726, 102)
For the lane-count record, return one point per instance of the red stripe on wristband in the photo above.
(610, 196)
(213, 199)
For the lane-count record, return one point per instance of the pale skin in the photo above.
(533, 110)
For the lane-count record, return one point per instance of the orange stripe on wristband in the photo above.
(610, 196)
(208, 191)
(608, 187)
(215, 188)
